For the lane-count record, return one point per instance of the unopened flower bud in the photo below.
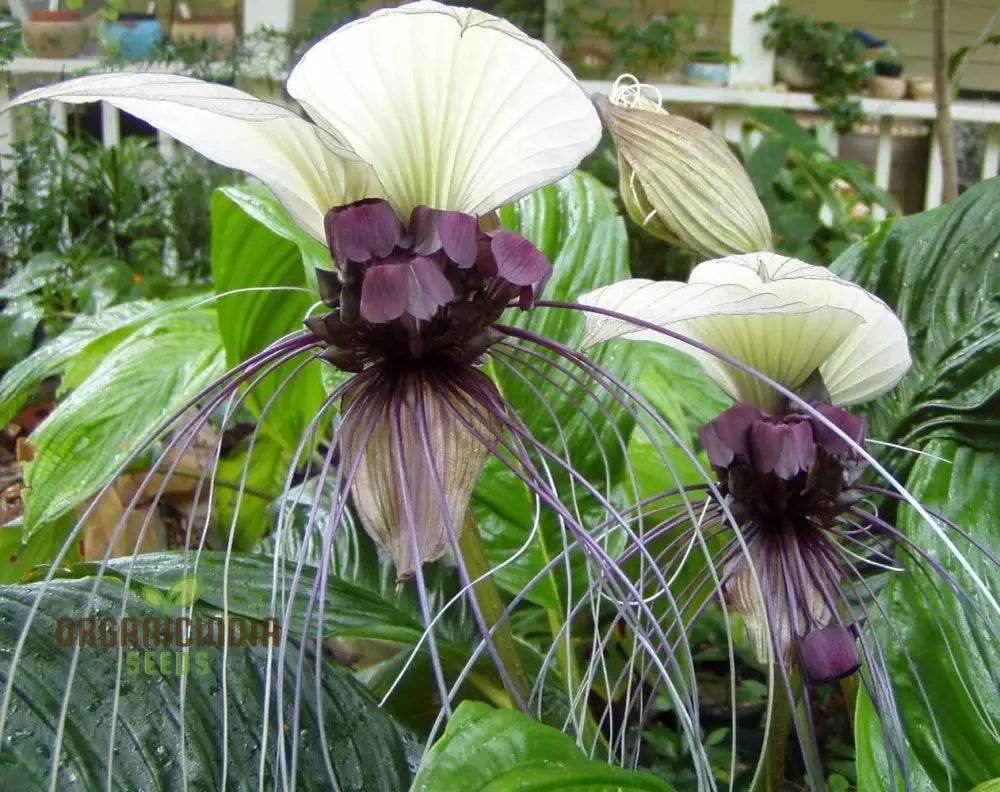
(680, 181)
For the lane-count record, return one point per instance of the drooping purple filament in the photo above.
(787, 478)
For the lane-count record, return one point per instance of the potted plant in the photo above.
(219, 29)
(652, 50)
(818, 56)
(132, 36)
(708, 68)
(55, 33)
(888, 82)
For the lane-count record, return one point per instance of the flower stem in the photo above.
(782, 721)
(470, 546)
(849, 687)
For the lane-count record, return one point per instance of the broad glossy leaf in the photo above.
(490, 750)
(873, 768)
(81, 445)
(245, 484)
(955, 655)
(40, 271)
(17, 558)
(350, 609)
(110, 327)
(576, 224)
(145, 734)
(940, 271)
(251, 250)
(18, 320)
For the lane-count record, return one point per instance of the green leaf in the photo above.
(147, 742)
(109, 328)
(488, 750)
(764, 162)
(350, 609)
(39, 272)
(18, 321)
(18, 558)
(251, 249)
(260, 204)
(954, 655)
(185, 591)
(245, 484)
(576, 224)
(674, 385)
(81, 445)
(154, 597)
(874, 773)
(938, 270)
(993, 785)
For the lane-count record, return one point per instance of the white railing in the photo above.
(730, 105)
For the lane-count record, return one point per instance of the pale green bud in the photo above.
(680, 181)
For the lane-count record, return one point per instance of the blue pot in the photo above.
(130, 36)
(706, 73)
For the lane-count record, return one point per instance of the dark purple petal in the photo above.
(329, 286)
(853, 426)
(362, 231)
(517, 260)
(385, 291)
(486, 263)
(456, 233)
(828, 654)
(428, 288)
(782, 448)
(728, 436)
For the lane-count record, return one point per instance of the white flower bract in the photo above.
(779, 315)
(422, 104)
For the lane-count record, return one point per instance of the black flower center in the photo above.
(432, 289)
(785, 470)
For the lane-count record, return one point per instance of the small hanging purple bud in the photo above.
(362, 231)
(784, 447)
(828, 654)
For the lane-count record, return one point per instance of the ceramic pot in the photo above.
(796, 74)
(706, 73)
(131, 36)
(218, 30)
(921, 88)
(888, 87)
(55, 34)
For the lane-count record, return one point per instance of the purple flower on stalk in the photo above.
(410, 148)
(789, 461)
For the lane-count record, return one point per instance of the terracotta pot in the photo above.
(921, 88)
(220, 30)
(55, 34)
(888, 87)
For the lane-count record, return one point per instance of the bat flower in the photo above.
(787, 475)
(802, 545)
(423, 119)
